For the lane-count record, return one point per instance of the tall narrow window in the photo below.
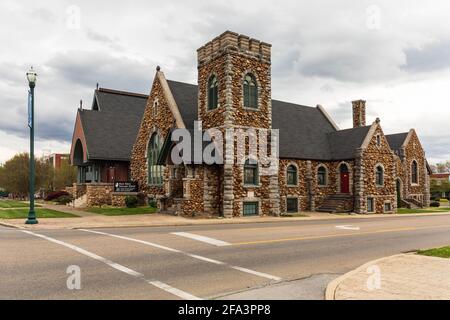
(378, 140)
(379, 176)
(370, 205)
(250, 173)
(250, 92)
(291, 175)
(322, 176)
(213, 93)
(155, 172)
(414, 172)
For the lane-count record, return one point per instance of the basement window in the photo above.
(370, 205)
(292, 205)
(250, 209)
(387, 207)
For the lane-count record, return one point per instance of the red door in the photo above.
(345, 182)
(111, 174)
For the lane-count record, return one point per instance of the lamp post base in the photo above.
(31, 218)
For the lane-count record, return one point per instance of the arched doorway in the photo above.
(344, 178)
(398, 184)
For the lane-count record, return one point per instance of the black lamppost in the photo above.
(31, 76)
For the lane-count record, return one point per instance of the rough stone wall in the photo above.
(359, 113)
(371, 157)
(212, 196)
(99, 194)
(161, 123)
(414, 151)
(300, 191)
(79, 189)
(118, 198)
(193, 202)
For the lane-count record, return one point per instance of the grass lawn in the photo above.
(443, 252)
(113, 211)
(40, 213)
(14, 204)
(407, 211)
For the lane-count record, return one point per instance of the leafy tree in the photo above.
(443, 167)
(438, 188)
(15, 172)
(64, 176)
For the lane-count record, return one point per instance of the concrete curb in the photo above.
(11, 225)
(333, 285)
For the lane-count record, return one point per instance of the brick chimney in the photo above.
(359, 113)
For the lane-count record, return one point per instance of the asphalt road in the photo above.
(282, 260)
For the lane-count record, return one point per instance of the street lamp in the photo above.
(31, 76)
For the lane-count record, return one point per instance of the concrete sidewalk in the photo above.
(399, 277)
(92, 220)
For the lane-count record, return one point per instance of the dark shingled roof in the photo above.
(186, 97)
(343, 143)
(111, 131)
(305, 132)
(396, 140)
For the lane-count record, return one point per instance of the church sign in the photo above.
(126, 186)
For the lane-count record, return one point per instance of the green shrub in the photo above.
(64, 199)
(435, 204)
(152, 203)
(131, 201)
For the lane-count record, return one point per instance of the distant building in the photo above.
(57, 159)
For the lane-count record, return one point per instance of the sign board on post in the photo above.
(125, 186)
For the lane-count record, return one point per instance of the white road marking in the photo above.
(215, 242)
(253, 272)
(256, 273)
(347, 227)
(158, 284)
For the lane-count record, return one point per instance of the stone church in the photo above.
(128, 137)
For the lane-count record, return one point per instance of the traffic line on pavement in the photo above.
(215, 242)
(155, 283)
(347, 227)
(337, 235)
(249, 271)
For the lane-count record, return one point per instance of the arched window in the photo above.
(414, 172)
(379, 176)
(343, 168)
(250, 92)
(251, 173)
(213, 93)
(155, 172)
(322, 176)
(291, 175)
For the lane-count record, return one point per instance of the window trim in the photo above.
(208, 98)
(297, 204)
(416, 183)
(255, 79)
(296, 175)
(326, 175)
(390, 205)
(255, 166)
(373, 204)
(256, 203)
(157, 168)
(382, 175)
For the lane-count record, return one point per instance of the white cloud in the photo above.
(327, 52)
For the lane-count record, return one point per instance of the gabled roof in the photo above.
(111, 131)
(396, 140)
(305, 132)
(186, 97)
(343, 143)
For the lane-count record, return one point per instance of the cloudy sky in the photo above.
(394, 55)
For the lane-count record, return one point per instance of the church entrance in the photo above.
(345, 178)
